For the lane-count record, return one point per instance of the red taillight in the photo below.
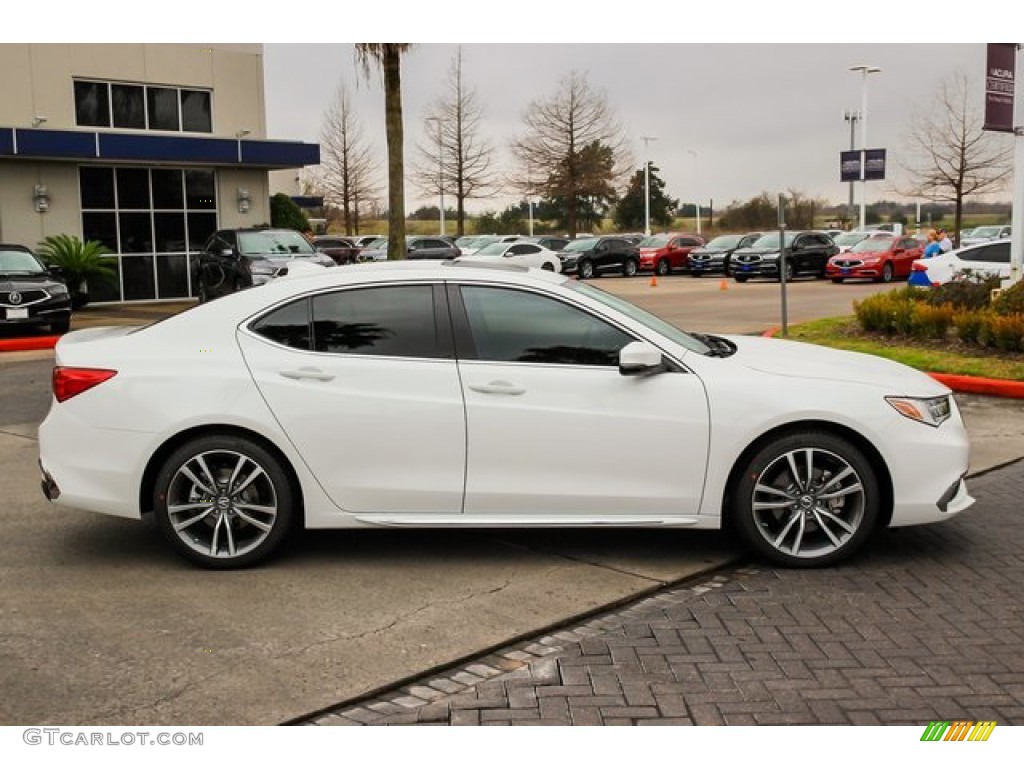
(919, 267)
(68, 382)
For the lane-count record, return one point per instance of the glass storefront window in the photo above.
(129, 107)
(196, 114)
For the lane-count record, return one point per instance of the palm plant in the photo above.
(389, 57)
(79, 262)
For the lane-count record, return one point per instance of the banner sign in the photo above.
(874, 164)
(999, 84)
(849, 165)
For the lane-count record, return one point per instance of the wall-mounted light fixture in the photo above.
(38, 120)
(41, 196)
(244, 200)
(241, 134)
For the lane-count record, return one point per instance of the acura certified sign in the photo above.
(999, 83)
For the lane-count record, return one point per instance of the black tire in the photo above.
(61, 326)
(741, 278)
(806, 521)
(662, 268)
(585, 269)
(698, 273)
(547, 267)
(837, 280)
(887, 273)
(790, 272)
(204, 295)
(223, 528)
(630, 267)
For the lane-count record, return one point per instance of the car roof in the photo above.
(14, 247)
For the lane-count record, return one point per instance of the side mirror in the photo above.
(227, 253)
(638, 358)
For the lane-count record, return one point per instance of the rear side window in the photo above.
(288, 325)
(998, 253)
(394, 321)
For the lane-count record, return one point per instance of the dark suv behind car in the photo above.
(806, 252)
(233, 259)
(714, 257)
(591, 256)
(31, 294)
(342, 249)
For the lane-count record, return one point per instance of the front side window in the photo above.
(514, 326)
(394, 321)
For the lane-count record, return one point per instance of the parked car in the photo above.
(846, 240)
(416, 247)
(714, 256)
(469, 246)
(342, 249)
(31, 294)
(364, 240)
(293, 405)
(524, 254)
(668, 252)
(551, 242)
(592, 256)
(985, 259)
(234, 259)
(806, 253)
(984, 234)
(879, 258)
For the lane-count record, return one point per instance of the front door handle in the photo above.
(308, 372)
(498, 387)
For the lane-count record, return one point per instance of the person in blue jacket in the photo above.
(933, 249)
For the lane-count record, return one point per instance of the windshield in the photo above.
(872, 245)
(634, 312)
(377, 245)
(494, 249)
(654, 241)
(725, 241)
(19, 263)
(985, 232)
(581, 245)
(849, 238)
(465, 242)
(771, 240)
(273, 243)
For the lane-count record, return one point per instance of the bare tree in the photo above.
(459, 161)
(347, 165)
(388, 56)
(563, 153)
(951, 156)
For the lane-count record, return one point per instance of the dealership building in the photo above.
(146, 148)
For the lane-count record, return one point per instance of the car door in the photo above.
(525, 254)
(364, 384)
(904, 252)
(554, 429)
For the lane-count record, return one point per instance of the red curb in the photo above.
(973, 385)
(22, 345)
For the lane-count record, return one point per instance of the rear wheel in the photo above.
(806, 499)
(223, 501)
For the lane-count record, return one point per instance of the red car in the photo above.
(878, 258)
(668, 252)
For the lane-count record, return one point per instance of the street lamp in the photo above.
(440, 168)
(865, 70)
(693, 154)
(647, 185)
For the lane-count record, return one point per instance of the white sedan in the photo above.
(984, 260)
(427, 394)
(523, 254)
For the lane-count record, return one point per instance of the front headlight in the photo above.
(262, 269)
(928, 410)
(59, 290)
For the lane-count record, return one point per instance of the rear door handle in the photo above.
(307, 373)
(498, 387)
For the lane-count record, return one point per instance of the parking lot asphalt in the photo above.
(103, 626)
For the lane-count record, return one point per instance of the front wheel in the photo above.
(662, 268)
(887, 272)
(547, 266)
(61, 326)
(223, 501)
(740, 278)
(585, 270)
(789, 272)
(806, 499)
(629, 268)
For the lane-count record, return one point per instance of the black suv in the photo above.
(233, 259)
(591, 256)
(714, 257)
(30, 293)
(806, 253)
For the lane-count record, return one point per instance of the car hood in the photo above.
(21, 282)
(709, 251)
(282, 260)
(757, 252)
(780, 357)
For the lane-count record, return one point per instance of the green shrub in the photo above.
(80, 262)
(1006, 332)
(1010, 301)
(968, 324)
(932, 322)
(967, 291)
(889, 313)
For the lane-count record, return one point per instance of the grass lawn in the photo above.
(934, 356)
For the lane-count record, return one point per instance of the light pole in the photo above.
(865, 70)
(851, 116)
(693, 154)
(440, 168)
(647, 185)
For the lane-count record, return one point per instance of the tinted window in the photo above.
(128, 106)
(288, 325)
(688, 241)
(163, 109)
(396, 321)
(97, 187)
(195, 111)
(92, 106)
(518, 326)
(997, 252)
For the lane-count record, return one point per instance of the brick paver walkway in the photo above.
(928, 624)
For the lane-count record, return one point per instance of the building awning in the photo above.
(97, 146)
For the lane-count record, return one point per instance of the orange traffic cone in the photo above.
(724, 285)
(654, 281)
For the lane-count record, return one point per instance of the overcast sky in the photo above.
(730, 121)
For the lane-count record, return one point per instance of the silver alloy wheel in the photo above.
(222, 504)
(789, 271)
(808, 503)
